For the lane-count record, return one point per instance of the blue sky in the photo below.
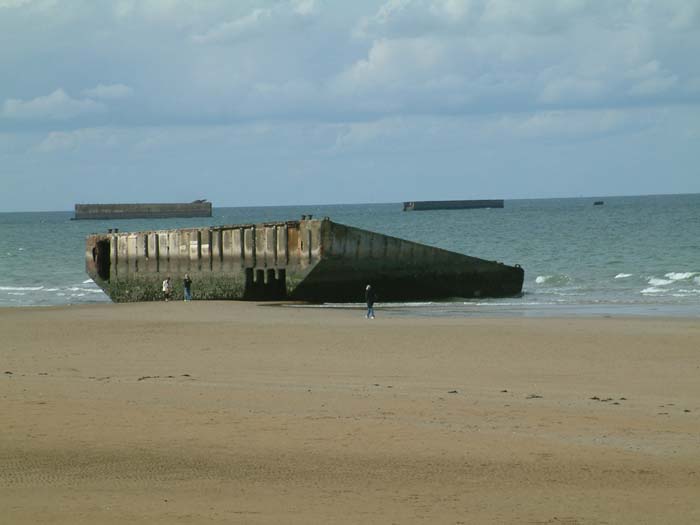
(311, 101)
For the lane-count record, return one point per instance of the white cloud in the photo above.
(273, 22)
(74, 140)
(568, 125)
(238, 28)
(431, 133)
(56, 106)
(356, 135)
(109, 91)
(561, 89)
(219, 61)
(38, 6)
(654, 85)
(650, 78)
(395, 65)
(13, 4)
(304, 7)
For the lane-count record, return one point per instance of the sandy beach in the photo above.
(224, 412)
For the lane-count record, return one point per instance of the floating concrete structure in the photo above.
(307, 260)
(451, 205)
(198, 208)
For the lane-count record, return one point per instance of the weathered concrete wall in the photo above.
(401, 270)
(308, 260)
(136, 211)
(228, 262)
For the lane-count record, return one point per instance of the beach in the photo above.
(227, 412)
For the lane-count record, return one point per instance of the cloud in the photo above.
(654, 86)
(568, 125)
(109, 91)
(565, 88)
(23, 4)
(279, 17)
(36, 7)
(56, 106)
(221, 61)
(73, 140)
(13, 4)
(390, 61)
(304, 7)
(245, 26)
(411, 18)
(650, 78)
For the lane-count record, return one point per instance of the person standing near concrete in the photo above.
(167, 288)
(370, 296)
(187, 285)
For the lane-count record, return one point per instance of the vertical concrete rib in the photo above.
(156, 238)
(261, 246)
(165, 251)
(249, 247)
(237, 248)
(131, 253)
(282, 246)
(270, 246)
(114, 256)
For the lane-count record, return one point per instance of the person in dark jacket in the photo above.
(187, 285)
(370, 296)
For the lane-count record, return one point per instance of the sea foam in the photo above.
(659, 282)
(623, 275)
(680, 276)
(553, 280)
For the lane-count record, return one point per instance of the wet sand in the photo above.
(235, 413)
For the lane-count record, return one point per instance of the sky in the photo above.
(285, 102)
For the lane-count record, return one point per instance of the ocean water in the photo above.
(633, 255)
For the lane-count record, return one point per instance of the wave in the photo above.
(623, 275)
(82, 289)
(659, 282)
(652, 290)
(686, 293)
(21, 288)
(680, 276)
(552, 280)
(509, 304)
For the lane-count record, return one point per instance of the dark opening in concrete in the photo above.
(265, 284)
(102, 261)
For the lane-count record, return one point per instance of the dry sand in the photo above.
(236, 413)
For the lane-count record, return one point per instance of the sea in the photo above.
(637, 255)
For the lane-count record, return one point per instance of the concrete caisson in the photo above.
(199, 208)
(309, 260)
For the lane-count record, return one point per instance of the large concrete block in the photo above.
(306, 260)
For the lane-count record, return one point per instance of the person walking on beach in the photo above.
(167, 288)
(187, 285)
(370, 296)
